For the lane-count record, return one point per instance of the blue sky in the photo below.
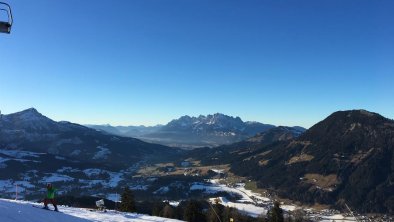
(129, 62)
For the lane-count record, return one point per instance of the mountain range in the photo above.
(190, 132)
(347, 158)
(31, 131)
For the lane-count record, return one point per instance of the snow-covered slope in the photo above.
(22, 211)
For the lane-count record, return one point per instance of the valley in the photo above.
(281, 164)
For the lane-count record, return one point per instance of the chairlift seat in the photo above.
(5, 27)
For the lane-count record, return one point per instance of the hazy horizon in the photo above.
(234, 116)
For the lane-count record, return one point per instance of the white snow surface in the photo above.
(9, 186)
(19, 153)
(252, 204)
(246, 195)
(337, 217)
(102, 154)
(54, 177)
(249, 209)
(162, 190)
(115, 179)
(22, 211)
(218, 171)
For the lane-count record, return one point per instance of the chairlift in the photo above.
(5, 26)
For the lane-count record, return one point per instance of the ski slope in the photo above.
(22, 211)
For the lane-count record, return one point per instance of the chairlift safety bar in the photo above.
(9, 12)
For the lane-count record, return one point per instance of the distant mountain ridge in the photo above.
(227, 154)
(187, 131)
(32, 131)
(215, 123)
(128, 131)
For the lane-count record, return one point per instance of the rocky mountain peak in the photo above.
(29, 114)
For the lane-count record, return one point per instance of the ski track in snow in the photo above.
(22, 211)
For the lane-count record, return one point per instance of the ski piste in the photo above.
(42, 208)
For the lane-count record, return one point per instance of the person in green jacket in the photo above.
(50, 198)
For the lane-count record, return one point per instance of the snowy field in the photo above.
(254, 204)
(22, 211)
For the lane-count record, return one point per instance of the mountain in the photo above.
(210, 130)
(227, 154)
(279, 133)
(190, 132)
(346, 158)
(31, 131)
(35, 150)
(127, 131)
(214, 124)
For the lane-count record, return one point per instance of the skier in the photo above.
(50, 197)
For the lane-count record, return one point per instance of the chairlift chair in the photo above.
(5, 26)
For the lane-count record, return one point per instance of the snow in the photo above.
(114, 197)
(239, 189)
(173, 203)
(9, 186)
(185, 164)
(22, 211)
(288, 207)
(19, 154)
(91, 172)
(218, 171)
(102, 154)
(75, 152)
(67, 169)
(256, 196)
(254, 204)
(249, 209)
(139, 187)
(245, 204)
(115, 179)
(54, 177)
(3, 159)
(162, 190)
(337, 218)
(91, 183)
(25, 184)
(251, 203)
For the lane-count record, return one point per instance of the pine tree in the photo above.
(127, 201)
(276, 213)
(157, 207)
(215, 212)
(168, 211)
(193, 212)
(231, 214)
(299, 215)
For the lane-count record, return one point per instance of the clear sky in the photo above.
(129, 62)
